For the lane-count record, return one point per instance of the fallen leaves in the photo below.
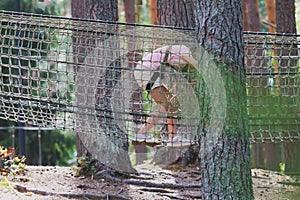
(10, 163)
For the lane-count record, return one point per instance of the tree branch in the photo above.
(160, 185)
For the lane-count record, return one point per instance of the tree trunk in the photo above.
(89, 9)
(291, 157)
(153, 12)
(286, 23)
(251, 19)
(129, 7)
(98, 135)
(273, 156)
(177, 13)
(286, 19)
(271, 12)
(225, 161)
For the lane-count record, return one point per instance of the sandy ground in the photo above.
(153, 183)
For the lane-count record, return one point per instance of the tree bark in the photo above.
(286, 23)
(226, 172)
(98, 135)
(129, 7)
(90, 9)
(273, 156)
(271, 12)
(251, 19)
(177, 13)
(286, 19)
(153, 12)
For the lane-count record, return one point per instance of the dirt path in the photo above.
(60, 183)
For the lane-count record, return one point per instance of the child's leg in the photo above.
(159, 96)
(169, 102)
(151, 121)
(172, 129)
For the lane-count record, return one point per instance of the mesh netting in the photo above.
(90, 76)
(273, 86)
(83, 75)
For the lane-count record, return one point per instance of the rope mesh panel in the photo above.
(79, 74)
(273, 86)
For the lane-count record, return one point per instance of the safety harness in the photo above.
(155, 75)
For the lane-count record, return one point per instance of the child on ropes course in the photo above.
(152, 73)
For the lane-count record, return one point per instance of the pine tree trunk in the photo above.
(88, 9)
(129, 7)
(226, 172)
(177, 13)
(153, 12)
(251, 19)
(97, 135)
(271, 12)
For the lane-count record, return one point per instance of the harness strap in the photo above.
(155, 75)
(151, 82)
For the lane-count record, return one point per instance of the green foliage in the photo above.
(144, 13)
(7, 5)
(58, 148)
(89, 166)
(282, 167)
(262, 9)
(263, 13)
(33, 6)
(86, 165)
(146, 98)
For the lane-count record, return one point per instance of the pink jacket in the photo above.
(153, 60)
